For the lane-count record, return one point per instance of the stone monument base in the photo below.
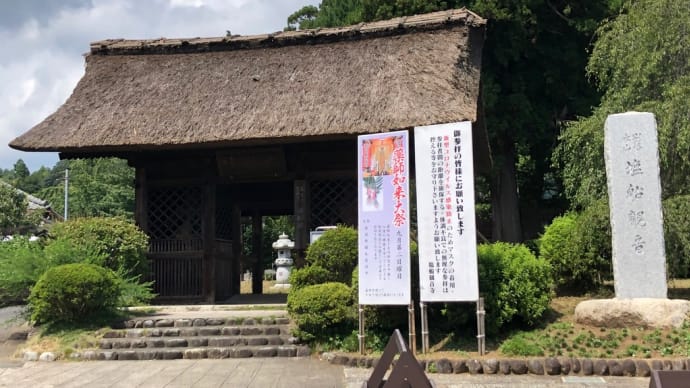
(639, 312)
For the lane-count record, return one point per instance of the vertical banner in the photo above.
(445, 213)
(384, 219)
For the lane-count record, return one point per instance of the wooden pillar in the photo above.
(209, 236)
(236, 274)
(141, 199)
(301, 206)
(258, 271)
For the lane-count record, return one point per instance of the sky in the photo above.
(44, 42)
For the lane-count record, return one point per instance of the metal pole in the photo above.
(360, 336)
(425, 328)
(412, 336)
(481, 343)
(66, 193)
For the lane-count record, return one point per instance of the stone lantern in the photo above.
(283, 246)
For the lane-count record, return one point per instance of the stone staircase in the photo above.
(196, 335)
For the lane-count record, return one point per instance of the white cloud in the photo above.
(186, 3)
(46, 40)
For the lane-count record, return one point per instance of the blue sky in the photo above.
(44, 42)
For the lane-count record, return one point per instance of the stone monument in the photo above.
(639, 262)
(632, 173)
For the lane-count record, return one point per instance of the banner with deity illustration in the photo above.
(445, 213)
(384, 219)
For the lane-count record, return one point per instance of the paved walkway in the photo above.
(258, 373)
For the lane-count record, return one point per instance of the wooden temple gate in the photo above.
(191, 207)
(249, 126)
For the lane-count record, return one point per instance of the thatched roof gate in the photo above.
(223, 127)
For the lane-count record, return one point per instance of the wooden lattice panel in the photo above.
(174, 213)
(224, 222)
(333, 202)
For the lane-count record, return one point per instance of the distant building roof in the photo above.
(34, 203)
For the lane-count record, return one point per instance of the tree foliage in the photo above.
(97, 187)
(641, 62)
(12, 208)
(533, 78)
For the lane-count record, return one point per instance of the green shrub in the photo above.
(593, 240)
(64, 250)
(516, 285)
(336, 251)
(73, 293)
(556, 246)
(120, 244)
(134, 292)
(322, 310)
(677, 235)
(309, 276)
(21, 264)
(578, 246)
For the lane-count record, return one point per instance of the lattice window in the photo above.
(333, 202)
(224, 222)
(174, 213)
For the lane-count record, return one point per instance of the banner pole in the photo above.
(481, 343)
(425, 327)
(412, 336)
(360, 336)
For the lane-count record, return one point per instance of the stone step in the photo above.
(196, 353)
(207, 331)
(179, 342)
(152, 322)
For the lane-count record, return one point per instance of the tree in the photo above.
(330, 13)
(12, 209)
(20, 170)
(640, 61)
(97, 187)
(533, 79)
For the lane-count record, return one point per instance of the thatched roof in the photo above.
(182, 93)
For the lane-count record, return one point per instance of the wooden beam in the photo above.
(258, 271)
(141, 199)
(301, 213)
(209, 236)
(236, 248)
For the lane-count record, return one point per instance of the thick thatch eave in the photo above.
(186, 93)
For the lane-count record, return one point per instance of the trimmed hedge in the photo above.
(516, 285)
(322, 310)
(335, 251)
(73, 293)
(309, 276)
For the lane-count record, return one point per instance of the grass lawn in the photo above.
(559, 335)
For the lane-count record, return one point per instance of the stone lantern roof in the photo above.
(283, 242)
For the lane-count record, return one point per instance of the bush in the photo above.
(516, 286)
(593, 241)
(336, 251)
(677, 235)
(73, 293)
(309, 276)
(556, 246)
(119, 244)
(322, 310)
(578, 246)
(21, 264)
